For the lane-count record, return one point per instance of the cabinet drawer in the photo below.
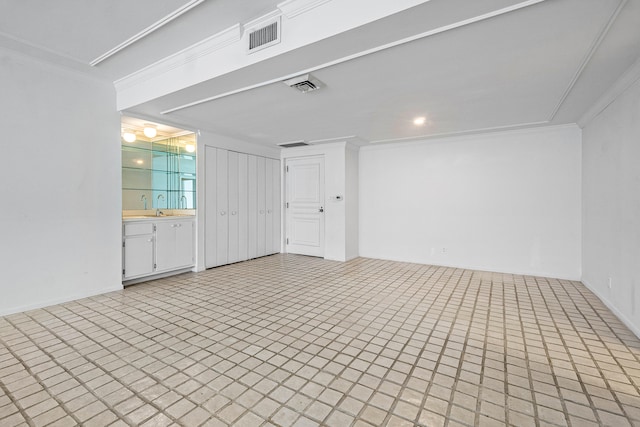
(138, 228)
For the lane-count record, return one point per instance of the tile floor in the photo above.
(291, 340)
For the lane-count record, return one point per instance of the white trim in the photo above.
(592, 50)
(464, 132)
(628, 79)
(261, 21)
(624, 319)
(293, 8)
(150, 29)
(469, 135)
(429, 33)
(351, 139)
(60, 300)
(204, 47)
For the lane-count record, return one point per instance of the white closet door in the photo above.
(261, 229)
(252, 206)
(277, 206)
(268, 197)
(233, 198)
(243, 217)
(222, 226)
(210, 207)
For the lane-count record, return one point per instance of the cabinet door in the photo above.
(252, 206)
(261, 228)
(222, 226)
(277, 207)
(174, 244)
(243, 217)
(233, 198)
(165, 245)
(211, 207)
(268, 213)
(138, 256)
(184, 244)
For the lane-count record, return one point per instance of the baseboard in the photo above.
(624, 319)
(68, 298)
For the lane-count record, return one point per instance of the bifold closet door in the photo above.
(252, 206)
(268, 197)
(210, 207)
(234, 197)
(262, 207)
(276, 246)
(243, 209)
(222, 222)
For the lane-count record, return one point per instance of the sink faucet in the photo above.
(143, 199)
(185, 201)
(158, 211)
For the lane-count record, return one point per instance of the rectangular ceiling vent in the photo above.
(265, 36)
(292, 144)
(305, 83)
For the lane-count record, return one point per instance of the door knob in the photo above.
(222, 213)
(321, 209)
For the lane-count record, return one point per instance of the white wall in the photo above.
(61, 192)
(351, 200)
(507, 202)
(611, 206)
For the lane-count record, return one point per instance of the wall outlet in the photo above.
(444, 250)
(610, 282)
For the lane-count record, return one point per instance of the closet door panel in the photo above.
(233, 197)
(268, 197)
(277, 207)
(222, 238)
(243, 217)
(261, 228)
(252, 206)
(210, 207)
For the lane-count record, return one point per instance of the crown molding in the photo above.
(592, 50)
(293, 8)
(628, 79)
(262, 20)
(150, 29)
(205, 47)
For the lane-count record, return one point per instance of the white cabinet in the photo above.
(154, 246)
(242, 206)
(174, 244)
(137, 252)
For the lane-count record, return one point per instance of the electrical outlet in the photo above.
(444, 250)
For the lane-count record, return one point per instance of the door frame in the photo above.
(285, 193)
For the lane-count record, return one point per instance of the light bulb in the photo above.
(190, 148)
(150, 131)
(129, 136)
(419, 121)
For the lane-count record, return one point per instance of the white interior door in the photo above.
(233, 198)
(305, 205)
(252, 206)
(222, 226)
(277, 204)
(210, 207)
(261, 229)
(243, 217)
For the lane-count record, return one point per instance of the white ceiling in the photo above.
(545, 63)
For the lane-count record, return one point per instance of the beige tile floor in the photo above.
(291, 340)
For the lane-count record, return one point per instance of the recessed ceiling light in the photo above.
(139, 162)
(419, 121)
(190, 148)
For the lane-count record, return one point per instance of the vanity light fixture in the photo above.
(419, 121)
(150, 131)
(129, 136)
(190, 148)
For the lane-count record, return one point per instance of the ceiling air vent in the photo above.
(305, 83)
(265, 36)
(292, 144)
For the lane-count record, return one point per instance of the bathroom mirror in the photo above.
(159, 173)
